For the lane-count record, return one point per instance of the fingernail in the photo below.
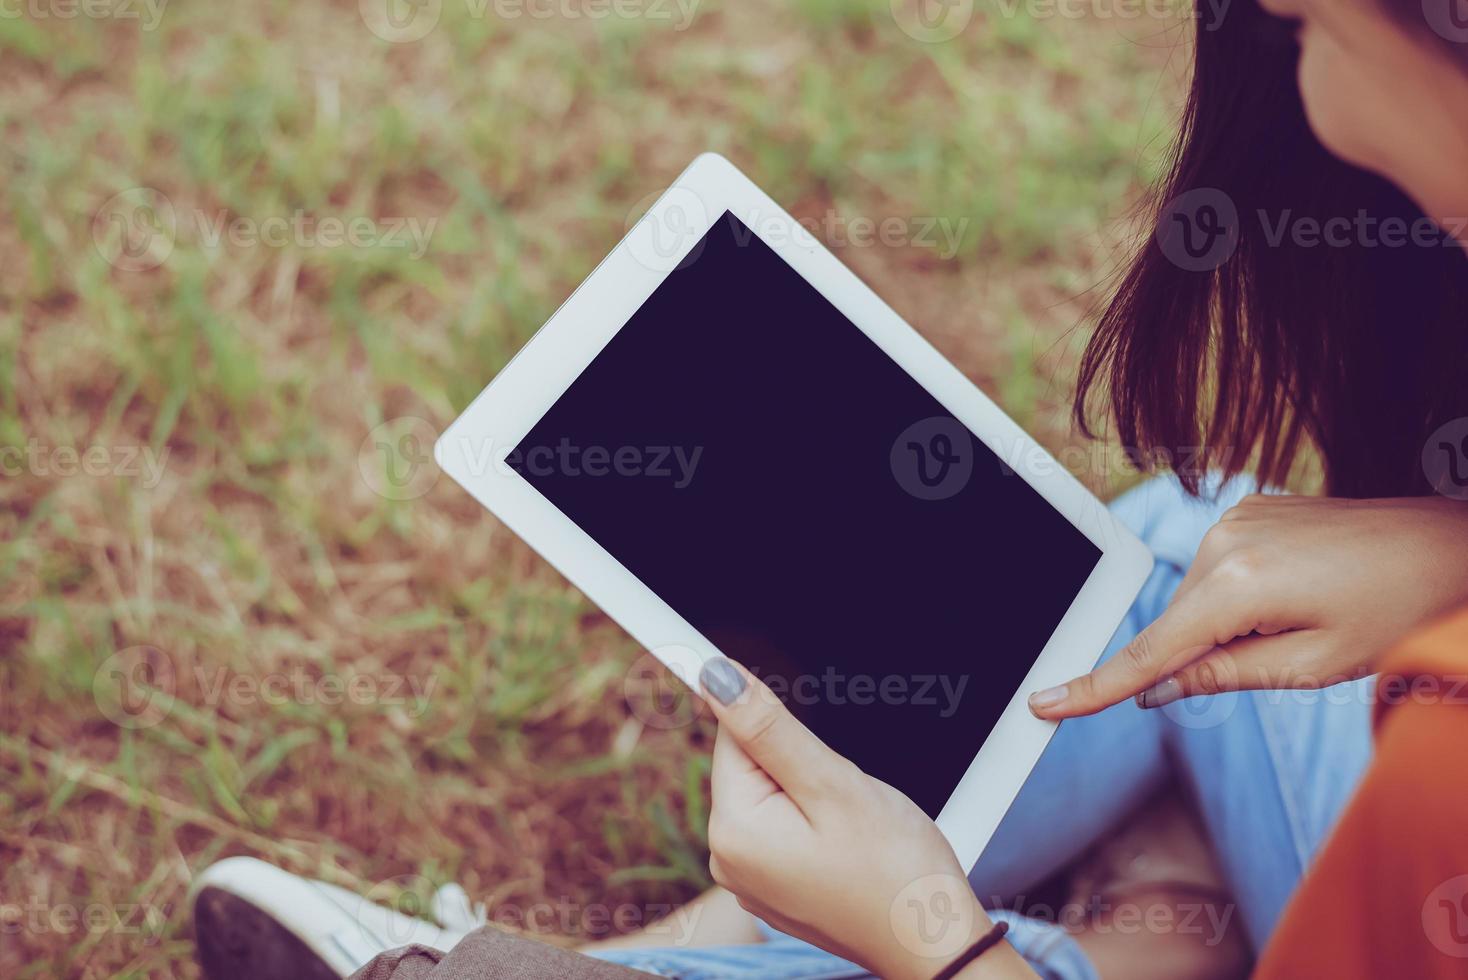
(1164, 693)
(721, 679)
(1048, 698)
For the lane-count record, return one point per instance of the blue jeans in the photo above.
(1270, 771)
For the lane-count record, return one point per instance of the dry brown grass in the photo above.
(262, 552)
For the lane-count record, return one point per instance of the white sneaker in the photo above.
(254, 920)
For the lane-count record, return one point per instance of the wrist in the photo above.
(1003, 962)
(933, 924)
(1000, 962)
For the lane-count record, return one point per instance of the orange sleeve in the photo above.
(1388, 894)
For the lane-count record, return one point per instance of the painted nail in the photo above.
(1164, 693)
(1048, 698)
(721, 679)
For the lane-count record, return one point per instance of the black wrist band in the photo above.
(991, 939)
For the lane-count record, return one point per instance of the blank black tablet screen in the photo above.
(772, 475)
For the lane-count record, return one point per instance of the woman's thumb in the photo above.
(765, 729)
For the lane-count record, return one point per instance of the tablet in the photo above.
(733, 446)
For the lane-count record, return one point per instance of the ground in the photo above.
(219, 632)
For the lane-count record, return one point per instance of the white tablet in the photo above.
(733, 446)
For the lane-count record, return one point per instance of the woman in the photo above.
(1293, 299)
(1357, 346)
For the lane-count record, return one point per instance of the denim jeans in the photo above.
(1269, 771)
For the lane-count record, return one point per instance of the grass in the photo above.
(503, 737)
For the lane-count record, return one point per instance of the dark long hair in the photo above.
(1358, 350)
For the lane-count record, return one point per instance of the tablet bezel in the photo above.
(472, 451)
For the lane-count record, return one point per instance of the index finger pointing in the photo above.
(1194, 624)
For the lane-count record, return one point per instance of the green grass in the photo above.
(259, 369)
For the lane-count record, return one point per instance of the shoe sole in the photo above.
(240, 941)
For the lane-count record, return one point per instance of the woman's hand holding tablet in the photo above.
(822, 851)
